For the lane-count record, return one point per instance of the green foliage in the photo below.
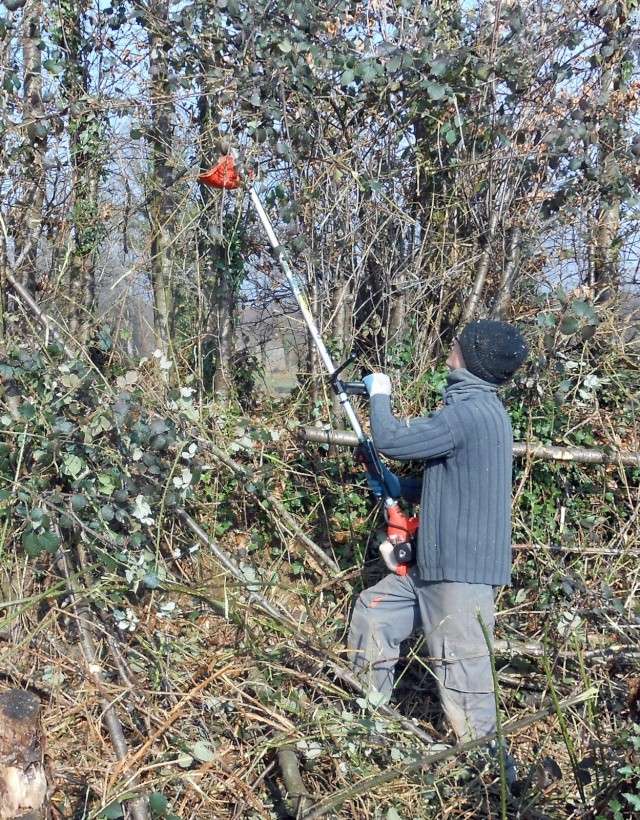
(577, 318)
(103, 466)
(158, 804)
(625, 804)
(112, 812)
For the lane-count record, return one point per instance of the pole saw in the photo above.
(401, 528)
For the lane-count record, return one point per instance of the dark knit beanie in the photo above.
(493, 351)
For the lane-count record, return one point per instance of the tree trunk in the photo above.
(160, 207)
(85, 148)
(605, 268)
(503, 296)
(220, 284)
(605, 253)
(23, 782)
(36, 144)
(482, 270)
(396, 310)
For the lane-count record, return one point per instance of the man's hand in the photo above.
(388, 556)
(377, 384)
(375, 485)
(391, 485)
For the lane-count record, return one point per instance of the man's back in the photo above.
(465, 529)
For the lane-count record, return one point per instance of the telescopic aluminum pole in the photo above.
(280, 254)
(400, 527)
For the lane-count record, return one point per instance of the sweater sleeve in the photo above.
(407, 487)
(411, 489)
(409, 439)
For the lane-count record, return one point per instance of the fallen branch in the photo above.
(396, 772)
(535, 649)
(521, 449)
(173, 715)
(503, 297)
(297, 794)
(577, 548)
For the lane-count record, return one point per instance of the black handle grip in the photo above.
(355, 389)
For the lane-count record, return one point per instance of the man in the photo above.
(463, 545)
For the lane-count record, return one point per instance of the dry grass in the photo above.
(240, 688)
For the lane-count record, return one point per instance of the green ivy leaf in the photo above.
(633, 800)
(450, 136)
(285, 46)
(158, 804)
(27, 411)
(347, 77)
(72, 465)
(151, 580)
(368, 70)
(49, 541)
(436, 91)
(545, 320)
(107, 512)
(31, 544)
(569, 325)
(584, 310)
(112, 812)
(394, 63)
(36, 515)
(78, 502)
(202, 752)
(107, 483)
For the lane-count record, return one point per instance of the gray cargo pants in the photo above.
(392, 610)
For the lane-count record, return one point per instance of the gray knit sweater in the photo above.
(465, 506)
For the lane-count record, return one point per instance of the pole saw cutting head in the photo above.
(224, 174)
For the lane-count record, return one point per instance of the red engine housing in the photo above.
(400, 526)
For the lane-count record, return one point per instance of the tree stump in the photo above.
(23, 782)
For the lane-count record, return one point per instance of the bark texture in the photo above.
(23, 782)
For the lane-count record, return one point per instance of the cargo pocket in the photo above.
(466, 667)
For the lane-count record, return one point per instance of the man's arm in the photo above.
(411, 489)
(408, 489)
(410, 439)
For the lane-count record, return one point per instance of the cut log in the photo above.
(521, 449)
(23, 782)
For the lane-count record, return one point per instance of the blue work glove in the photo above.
(377, 384)
(392, 480)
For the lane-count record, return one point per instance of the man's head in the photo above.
(493, 351)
